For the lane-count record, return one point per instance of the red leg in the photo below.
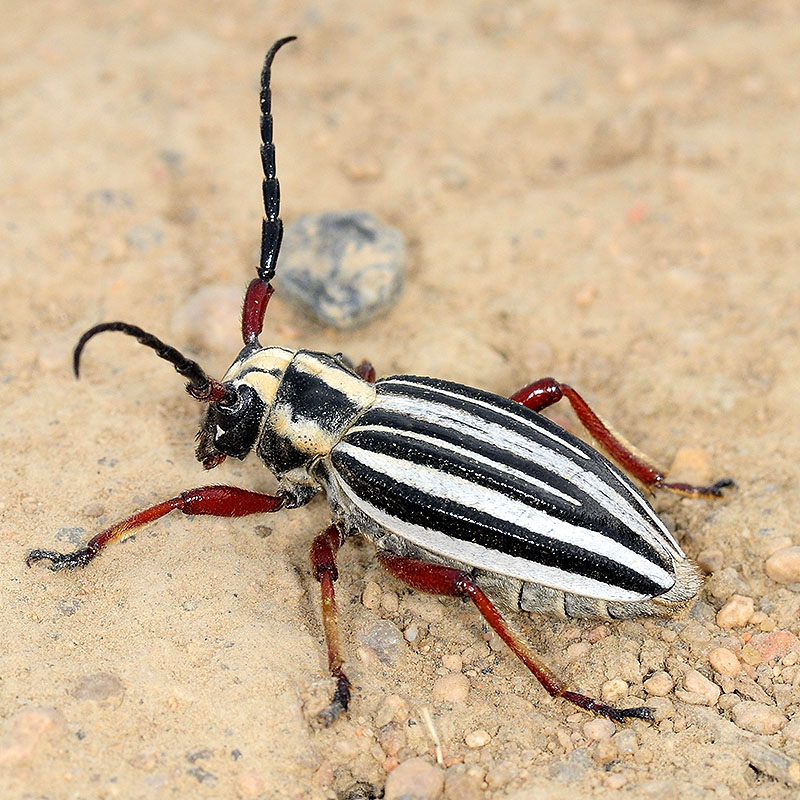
(543, 393)
(255, 304)
(437, 579)
(323, 562)
(217, 501)
(366, 371)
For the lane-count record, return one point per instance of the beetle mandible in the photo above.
(462, 492)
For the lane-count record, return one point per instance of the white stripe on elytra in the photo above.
(477, 555)
(502, 411)
(563, 466)
(486, 500)
(449, 446)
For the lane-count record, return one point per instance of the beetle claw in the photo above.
(59, 561)
(639, 712)
(339, 703)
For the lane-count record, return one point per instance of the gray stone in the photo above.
(385, 638)
(343, 267)
(572, 768)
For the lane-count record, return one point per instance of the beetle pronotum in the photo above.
(462, 492)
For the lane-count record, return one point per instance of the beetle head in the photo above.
(232, 428)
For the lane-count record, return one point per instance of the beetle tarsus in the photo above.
(339, 703)
(59, 561)
(687, 490)
(610, 712)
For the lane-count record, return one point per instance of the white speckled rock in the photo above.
(343, 267)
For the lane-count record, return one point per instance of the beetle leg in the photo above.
(438, 579)
(323, 562)
(217, 501)
(366, 371)
(547, 391)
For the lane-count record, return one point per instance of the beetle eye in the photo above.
(236, 425)
(233, 403)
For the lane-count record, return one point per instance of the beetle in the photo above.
(462, 492)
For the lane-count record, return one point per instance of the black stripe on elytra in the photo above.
(590, 515)
(517, 418)
(463, 523)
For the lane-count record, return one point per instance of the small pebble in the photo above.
(343, 267)
(736, 612)
(606, 751)
(98, 686)
(412, 632)
(385, 639)
(783, 566)
(663, 707)
(451, 688)
(501, 775)
(371, 596)
(697, 683)
(251, 784)
(206, 319)
(772, 646)
(391, 738)
(596, 730)
(25, 733)
(724, 583)
(392, 709)
(476, 739)
(94, 510)
(462, 786)
(727, 701)
(615, 781)
(724, 661)
(614, 689)
(757, 717)
(362, 167)
(659, 684)
(452, 662)
(414, 779)
(577, 650)
(390, 602)
(572, 768)
(625, 740)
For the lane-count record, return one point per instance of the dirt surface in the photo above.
(608, 193)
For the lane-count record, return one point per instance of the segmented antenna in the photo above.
(200, 386)
(271, 227)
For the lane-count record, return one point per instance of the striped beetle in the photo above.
(462, 492)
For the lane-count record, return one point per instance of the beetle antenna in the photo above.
(200, 386)
(271, 227)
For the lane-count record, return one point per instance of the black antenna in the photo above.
(271, 227)
(200, 386)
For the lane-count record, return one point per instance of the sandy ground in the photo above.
(608, 193)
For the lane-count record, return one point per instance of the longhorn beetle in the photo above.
(462, 492)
